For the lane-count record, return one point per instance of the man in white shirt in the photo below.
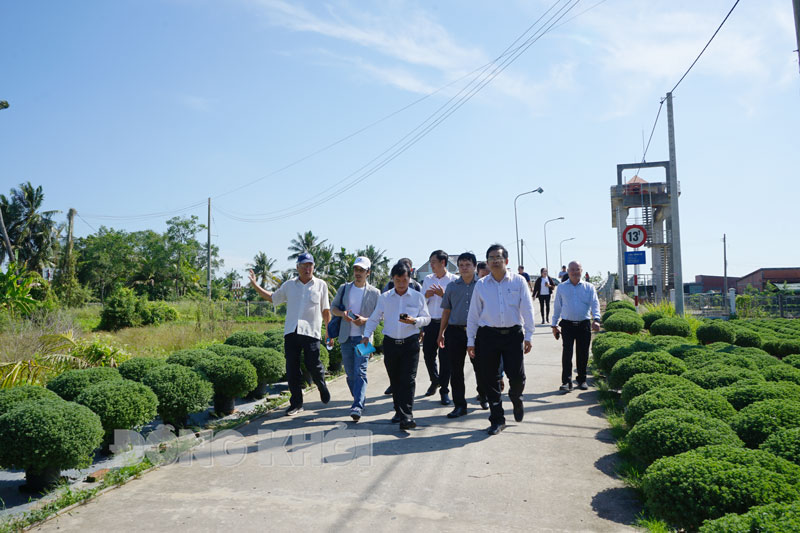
(576, 304)
(433, 287)
(307, 305)
(403, 312)
(500, 327)
(355, 302)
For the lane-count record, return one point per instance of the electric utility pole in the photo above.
(208, 248)
(725, 266)
(677, 269)
(796, 4)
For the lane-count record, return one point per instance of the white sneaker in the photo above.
(566, 387)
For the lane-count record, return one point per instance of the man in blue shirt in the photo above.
(578, 307)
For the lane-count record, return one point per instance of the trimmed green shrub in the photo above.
(644, 363)
(792, 360)
(782, 373)
(666, 341)
(686, 350)
(628, 322)
(270, 364)
(759, 420)
(744, 393)
(675, 326)
(190, 357)
(621, 304)
(720, 346)
(134, 369)
(772, 346)
(232, 377)
(377, 338)
(712, 481)
(784, 443)
(120, 311)
(611, 357)
(225, 350)
(9, 398)
(335, 356)
(716, 331)
(180, 391)
(47, 434)
(246, 339)
(651, 316)
(666, 432)
(641, 383)
(720, 375)
(121, 404)
(788, 348)
(770, 518)
(274, 339)
(702, 360)
(744, 350)
(748, 338)
(610, 312)
(691, 398)
(604, 342)
(73, 382)
(156, 313)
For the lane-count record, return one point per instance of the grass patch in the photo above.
(653, 525)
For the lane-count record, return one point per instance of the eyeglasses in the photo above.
(496, 258)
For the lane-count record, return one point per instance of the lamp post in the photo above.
(560, 259)
(516, 226)
(547, 266)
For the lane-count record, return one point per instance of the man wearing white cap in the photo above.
(307, 305)
(355, 302)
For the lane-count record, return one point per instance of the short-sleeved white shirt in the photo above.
(304, 305)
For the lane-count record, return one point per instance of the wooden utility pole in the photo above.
(677, 269)
(5, 238)
(208, 248)
(725, 266)
(71, 218)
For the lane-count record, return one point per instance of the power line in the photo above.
(146, 216)
(84, 221)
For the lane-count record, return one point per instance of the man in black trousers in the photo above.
(578, 307)
(500, 327)
(433, 287)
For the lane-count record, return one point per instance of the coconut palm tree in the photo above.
(380, 263)
(33, 234)
(306, 242)
(263, 269)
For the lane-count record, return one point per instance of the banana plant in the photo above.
(15, 292)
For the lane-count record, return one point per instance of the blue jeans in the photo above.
(355, 365)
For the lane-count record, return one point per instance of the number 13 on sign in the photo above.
(634, 236)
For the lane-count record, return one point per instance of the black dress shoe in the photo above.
(408, 424)
(291, 411)
(388, 390)
(432, 389)
(519, 412)
(446, 399)
(324, 393)
(494, 429)
(396, 419)
(484, 403)
(458, 411)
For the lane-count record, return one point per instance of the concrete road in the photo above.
(319, 471)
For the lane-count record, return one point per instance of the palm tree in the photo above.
(263, 268)
(33, 234)
(307, 242)
(380, 262)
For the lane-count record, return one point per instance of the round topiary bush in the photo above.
(744, 393)
(73, 382)
(134, 369)
(691, 398)
(190, 357)
(720, 346)
(747, 338)
(121, 404)
(604, 342)
(772, 518)
(674, 326)
(46, 436)
(120, 311)
(641, 383)
(720, 375)
(610, 312)
(270, 367)
(225, 350)
(782, 372)
(793, 360)
(788, 348)
(772, 346)
(711, 481)
(621, 304)
(702, 360)
(716, 331)
(666, 341)
(759, 420)
(628, 322)
(246, 339)
(232, 377)
(273, 338)
(644, 363)
(377, 338)
(651, 316)
(685, 350)
(9, 398)
(611, 357)
(666, 432)
(180, 391)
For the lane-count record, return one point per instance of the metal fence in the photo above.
(768, 306)
(707, 305)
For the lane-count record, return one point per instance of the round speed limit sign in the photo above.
(634, 236)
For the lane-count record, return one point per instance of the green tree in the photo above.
(106, 260)
(33, 233)
(185, 252)
(306, 242)
(341, 269)
(263, 268)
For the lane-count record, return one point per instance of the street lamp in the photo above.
(516, 226)
(545, 241)
(560, 260)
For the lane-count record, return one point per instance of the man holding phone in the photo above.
(358, 298)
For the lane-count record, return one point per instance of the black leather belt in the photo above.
(504, 331)
(575, 322)
(435, 320)
(459, 326)
(400, 342)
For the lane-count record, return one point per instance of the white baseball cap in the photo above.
(362, 262)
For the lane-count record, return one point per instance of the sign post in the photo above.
(635, 236)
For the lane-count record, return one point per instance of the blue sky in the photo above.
(128, 108)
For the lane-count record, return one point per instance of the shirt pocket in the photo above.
(413, 310)
(314, 297)
(513, 296)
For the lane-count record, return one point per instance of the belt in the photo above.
(401, 341)
(505, 331)
(436, 320)
(459, 326)
(575, 322)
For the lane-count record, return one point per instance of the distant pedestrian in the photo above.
(578, 307)
(482, 270)
(403, 312)
(359, 299)
(521, 272)
(586, 278)
(306, 299)
(433, 287)
(563, 275)
(543, 288)
(500, 327)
